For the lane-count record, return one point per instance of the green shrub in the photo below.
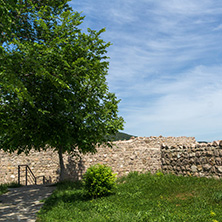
(99, 180)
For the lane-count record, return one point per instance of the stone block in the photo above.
(194, 168)
(219, 169)
(218, 161)
(207, 167)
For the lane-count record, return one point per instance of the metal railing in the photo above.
(29, 175)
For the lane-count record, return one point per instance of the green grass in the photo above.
(4, 187)
(139, 197)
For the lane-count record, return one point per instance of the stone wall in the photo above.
(199, 159)
(179, 155)
(125, 156)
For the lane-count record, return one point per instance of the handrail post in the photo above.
(26, 175)
(19, 175)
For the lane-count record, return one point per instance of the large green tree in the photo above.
(53, 84)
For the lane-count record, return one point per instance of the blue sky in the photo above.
(165, 63)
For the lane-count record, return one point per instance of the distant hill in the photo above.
(120, 136)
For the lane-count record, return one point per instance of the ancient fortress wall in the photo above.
(178, 155)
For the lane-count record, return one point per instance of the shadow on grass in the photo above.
(66, 192)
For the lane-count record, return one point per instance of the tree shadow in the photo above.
(75, 168)
(22, 203)
(66, 192)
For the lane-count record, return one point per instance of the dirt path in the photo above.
(22, 204)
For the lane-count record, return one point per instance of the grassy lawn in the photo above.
(139, 197)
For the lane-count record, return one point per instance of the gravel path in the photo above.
(22, 204)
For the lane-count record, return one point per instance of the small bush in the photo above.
(99, 180)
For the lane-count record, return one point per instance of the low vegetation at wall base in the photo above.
(4, 187)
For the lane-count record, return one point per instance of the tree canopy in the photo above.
(53, 81)
(19, 22)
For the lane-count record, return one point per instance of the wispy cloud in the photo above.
(187, 104)
(219, 27)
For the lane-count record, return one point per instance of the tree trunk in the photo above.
(62, 167)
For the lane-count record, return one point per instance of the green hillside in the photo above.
(120, 136)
